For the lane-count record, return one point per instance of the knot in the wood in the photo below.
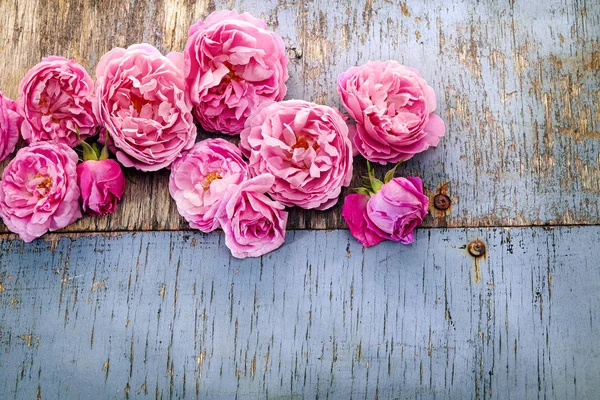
(441, 202)
(476, 248)
(294, 52)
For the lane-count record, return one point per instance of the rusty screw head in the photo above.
(476, 248)
(441, 202)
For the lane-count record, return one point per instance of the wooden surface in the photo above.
(121, 314)
(517, 85)
(172, 315)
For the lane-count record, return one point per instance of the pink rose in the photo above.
(392, 213)
(10, 121)
(232, 64)
(102, 185)
(38, 191)
(354, 212)
(397, 209)
(55, 97)
(200, 179)
(253, 224)
(305, 146)
(393, 107)
(142, 102)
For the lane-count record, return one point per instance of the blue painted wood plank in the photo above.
(172, 315)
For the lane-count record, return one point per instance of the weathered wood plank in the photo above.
(518, 86)
(173, 315)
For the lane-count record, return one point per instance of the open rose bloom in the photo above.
(393, 108)
(55, 97)
(305, 146)
(38, 191)
(253, 223)
(10, 121)
(232, 64)
(200, 179)
(143, 104)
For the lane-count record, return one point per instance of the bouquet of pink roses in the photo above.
(230, 78)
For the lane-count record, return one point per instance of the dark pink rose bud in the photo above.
(10, 121)
(390, 209)
(354, 212)
(102, 184)
(397, 209)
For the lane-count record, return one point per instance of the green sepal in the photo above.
(390, 174)
(376, 184)
(104, 152)
(89, 153)
(363, 190)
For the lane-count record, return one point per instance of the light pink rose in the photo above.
(397, 209)
(102, 185)
(142, 102)
(393, 107)
(305, 146)
(354, 212)
(232, 64)
(200, 179)
(253, 223)
(55, 97)
(10, 121)
(38, 191)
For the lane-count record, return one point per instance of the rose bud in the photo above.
(397, 209)
(393, 107)
(354, 213)
(390, 210)
(10, 122)
(101, 181)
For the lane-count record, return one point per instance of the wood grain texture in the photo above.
(172, 315)
(517, 84)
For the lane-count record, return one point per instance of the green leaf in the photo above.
(362, 190)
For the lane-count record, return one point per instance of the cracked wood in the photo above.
(172, 314)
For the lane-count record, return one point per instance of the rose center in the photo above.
(44, 186)
(302, 143)
(231, 76)
(214, 175)
(137, 103)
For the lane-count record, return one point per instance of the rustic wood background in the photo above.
(517, 85)
(121, 314)
(176, 317)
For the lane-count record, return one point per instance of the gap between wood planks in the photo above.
(78, 234)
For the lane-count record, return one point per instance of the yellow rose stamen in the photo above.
(45, 185)
(209, 178)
